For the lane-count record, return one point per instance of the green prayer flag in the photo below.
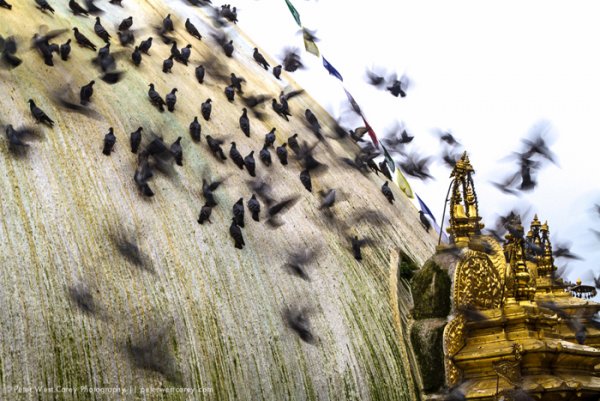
(294, 12)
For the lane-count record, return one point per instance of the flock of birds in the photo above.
(153, 154)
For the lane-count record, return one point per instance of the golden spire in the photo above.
(533, 241)
(546, 266)
(464, 210)
(514, 250)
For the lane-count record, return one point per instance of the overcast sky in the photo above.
(487, 72)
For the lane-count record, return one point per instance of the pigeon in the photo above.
(260, 59)
(83, 299)
(77, 9)
(86, 93)
(92, 8)
(186, 52)
(44, 6)
(277, 71)
(356, 246)
(228, 13)
(112, 77)
(215, 147)
(177, 151)
(387, 192)
(328, 198)
(236, 82)
(8, 49)
(135, 138)
(238, 212)
(65, 50)
(171, 99)
(245, 123)
(152, 352)
(167, 64)
(205, 214)
(145, 45)
(4, 4)
(312, 120)
(254, 207)
(250, 164)
(200, 73)
(109, 142)
(126, 24)
(383, 167)
(293, 143)
(297, 320)
(298, 259)
(270, 138)
(398, 87)
(195, 130)
(168, 24)
(280, 110)
(39, 114)
(416, 166)
(82, 40)
(155, 98)
(100, 31)
(40, 42)
(274, 212)
(15, 143)
(126, 38)
(207, 191)
(228, 48)
(305, 179)
(446, 136)
(236, 156)
(192, 30)
(282, 154)
(236, 234)
(175, 52)
(142, 174)
(136, 56)
(206, 108)
(561, 250)
(265, 155)
(229, 93)
(291, 60)
(424, 221)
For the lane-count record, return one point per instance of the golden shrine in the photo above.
(510, 325)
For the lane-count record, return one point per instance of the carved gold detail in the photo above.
(454, 340)
(477, 282)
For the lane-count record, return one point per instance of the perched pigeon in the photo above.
(192, 30)
(195, 130)
(171, 99)
(100, 31)
(206, 108)
(109, 142)
(39, 114)
(260, 59)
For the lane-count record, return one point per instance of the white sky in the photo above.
(488, 72)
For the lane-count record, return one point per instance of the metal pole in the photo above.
(444, 212)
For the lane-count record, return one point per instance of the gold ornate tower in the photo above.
(512, 326)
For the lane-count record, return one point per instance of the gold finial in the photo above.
(535, 222)
(462, 166)
(464, 214)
